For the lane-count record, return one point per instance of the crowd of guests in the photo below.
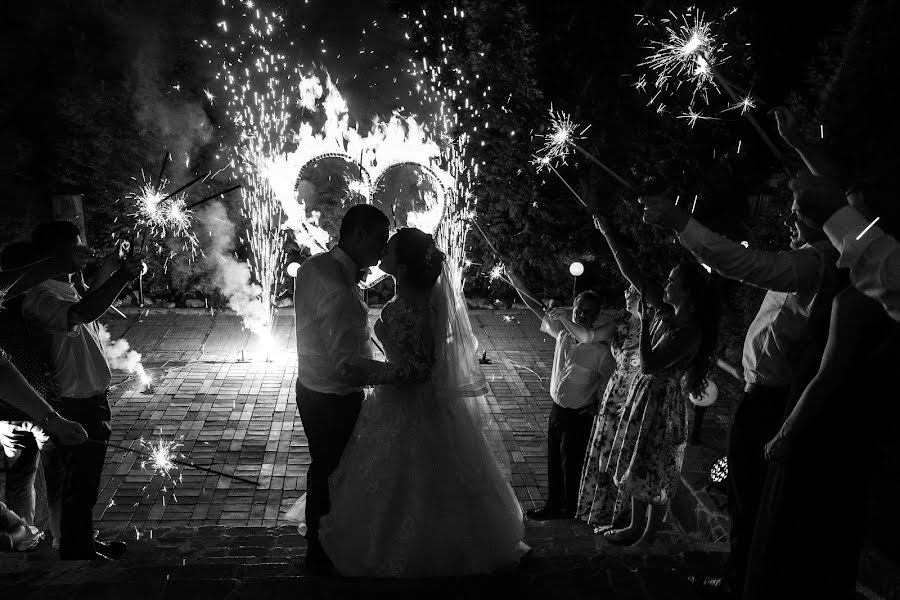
(54, 380)
(620, 386)
(824, 334)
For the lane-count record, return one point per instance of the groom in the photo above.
(335, 357)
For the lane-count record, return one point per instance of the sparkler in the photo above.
(216, 195)
(562, 136)
(691, 53)
(162, 456)
(683, 55)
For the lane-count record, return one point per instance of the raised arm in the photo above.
(813, 155)
(791, 271)
(97, 301)
(671, 349)
(603, 331)
(526, 295)
(649, 289)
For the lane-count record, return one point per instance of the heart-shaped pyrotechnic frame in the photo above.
(427, 220)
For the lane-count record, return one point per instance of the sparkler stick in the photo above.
(574, 193)
(737, 100)
(187, 185)
(162, 170)
(506, 279)
(175, 461)
(609, 171)
(216, 195)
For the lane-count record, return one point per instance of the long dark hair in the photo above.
(416, 250)
(704, 293)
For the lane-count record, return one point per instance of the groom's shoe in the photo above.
(545, 513)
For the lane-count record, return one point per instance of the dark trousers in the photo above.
(82, 467)
(758, 417)
(328, 421)
(568, 436)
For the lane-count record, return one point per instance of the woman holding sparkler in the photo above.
(598, 498)
(419, 491)
(679, 329)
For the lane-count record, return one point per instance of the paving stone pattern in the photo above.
(232, 410)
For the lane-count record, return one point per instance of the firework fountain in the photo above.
(290, 117)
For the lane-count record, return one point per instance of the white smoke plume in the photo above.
(119, 355)
(244, 296)
(231, 277)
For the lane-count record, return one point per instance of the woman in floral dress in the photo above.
(678, 334)
(598, 500)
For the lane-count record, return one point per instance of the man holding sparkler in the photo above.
(335, 357)
(582, 365)
(801, 284)
(25, 406)
(67, 316)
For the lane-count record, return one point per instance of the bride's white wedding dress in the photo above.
(419, 491)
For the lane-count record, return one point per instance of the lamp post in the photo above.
(576, 269)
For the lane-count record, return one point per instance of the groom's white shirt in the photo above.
(332, 321)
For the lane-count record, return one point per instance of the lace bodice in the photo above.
(405, 331)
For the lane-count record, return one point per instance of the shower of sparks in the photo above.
(161, 454)
(560, 137)
(289, 116)
(497, 272)
(746, 103)
(684, 49)
(693, 116)
(161, 218)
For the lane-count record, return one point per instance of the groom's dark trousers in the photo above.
(328, 421)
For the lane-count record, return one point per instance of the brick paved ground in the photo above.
(236, 412)
(230, 409)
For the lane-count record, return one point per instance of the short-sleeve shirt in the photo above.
(580, 371)
(78, 367)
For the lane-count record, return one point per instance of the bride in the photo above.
(419, 491)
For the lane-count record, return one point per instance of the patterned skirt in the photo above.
(648, 448)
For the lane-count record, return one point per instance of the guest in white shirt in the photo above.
(582, 365)
(66, 315)
(872, 255)
(335, 356)
(798, 282)
(801, 283)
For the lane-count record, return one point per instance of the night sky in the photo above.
(85, 46)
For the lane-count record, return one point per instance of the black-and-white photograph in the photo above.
(464, 299)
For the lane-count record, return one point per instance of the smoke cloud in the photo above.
(231, 277)
(119, 355)
(161, 106)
